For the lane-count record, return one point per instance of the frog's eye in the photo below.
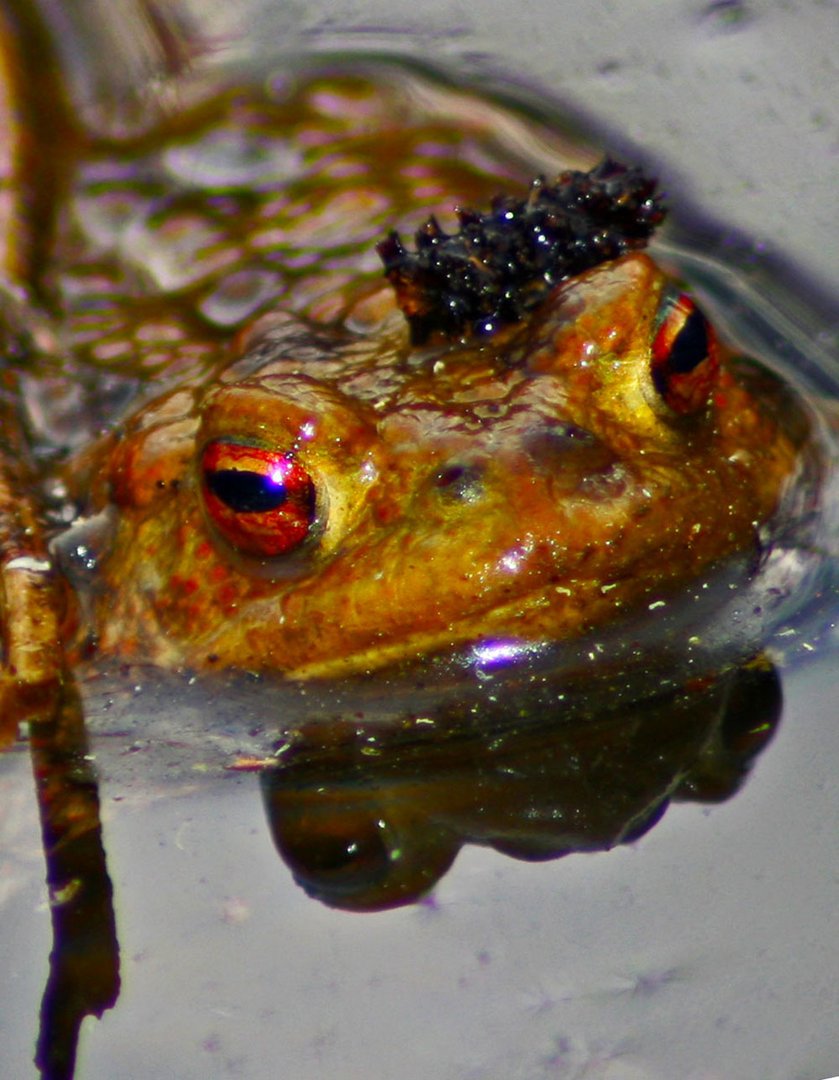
(261, 501)
(685, 356)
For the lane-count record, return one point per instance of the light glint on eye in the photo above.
(261, 501)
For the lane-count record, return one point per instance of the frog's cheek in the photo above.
(151, 465)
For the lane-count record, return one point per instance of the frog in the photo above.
(335, 484)
(529, 487)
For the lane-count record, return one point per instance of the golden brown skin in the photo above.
(531, 487)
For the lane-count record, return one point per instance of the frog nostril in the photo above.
(556, 440)
(575, 462)
(460, 483)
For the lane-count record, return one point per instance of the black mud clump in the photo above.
(500, 265)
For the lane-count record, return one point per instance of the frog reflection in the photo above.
(367, 827)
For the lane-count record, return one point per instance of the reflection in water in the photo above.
(366, 828)
(370, 817)
(84, 962)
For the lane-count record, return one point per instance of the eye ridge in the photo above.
(246, 492)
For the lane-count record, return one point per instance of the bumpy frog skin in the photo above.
(529, 487)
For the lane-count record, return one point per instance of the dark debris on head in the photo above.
(501, 264)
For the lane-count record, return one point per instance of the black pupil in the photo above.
(246, 492)
(690, 346)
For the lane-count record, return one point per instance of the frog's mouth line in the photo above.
(687, 631)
